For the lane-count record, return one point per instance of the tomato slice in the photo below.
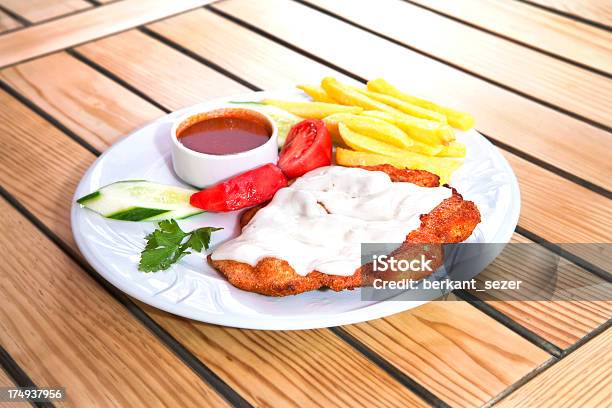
(244, 190)
(308, 146)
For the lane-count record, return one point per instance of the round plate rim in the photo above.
(374, 311)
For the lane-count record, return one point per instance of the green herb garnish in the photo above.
(169, 243)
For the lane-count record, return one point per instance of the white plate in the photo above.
(193, 289)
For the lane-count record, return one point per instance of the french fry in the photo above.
(317, 93)
(364, 143)
(381, 85)
(348, 96)
(422, 130)
(331, 122)
(369, 144)
(315, 110)
(440, 166)
(457, 119)
(425, 149)
(453, 149)
(405, 107)
(374, 128)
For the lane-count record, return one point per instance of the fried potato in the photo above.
(331, 122)
(314, 110)
(453, 149)
(405, 107)
(363, 143)
(346, 95)
(317, 93)
(425, 149)
(374, 128)
(443, 167)
(457, 119)
(368, 144)
(422, 130)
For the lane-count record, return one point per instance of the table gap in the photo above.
(43, 54)
(19, 376)
(555, 248)
(550, 167)
(572, 16)
(24, 21)
(28, 24)
(76, 54)
(34, 107)
(539, 370)
(508, 322)
(388, 367)
(197, 57)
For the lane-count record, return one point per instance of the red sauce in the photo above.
(224, 131)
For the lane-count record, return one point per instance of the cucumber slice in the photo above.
(284, 120)
(140, 200)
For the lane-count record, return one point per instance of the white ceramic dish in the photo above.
(201, 170)
(194, 290)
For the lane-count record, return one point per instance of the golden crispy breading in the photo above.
(452, 221)
(419, 177)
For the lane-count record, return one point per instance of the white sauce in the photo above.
(362, 207)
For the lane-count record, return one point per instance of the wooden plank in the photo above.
(198, 336)
(442, 328)
(593, 10)
(556, 82)
(294, 368)
(14, 404)
(86, 26)
(540, 188)
(117, 354)
(535, 27)
(457, 361)
(39, 10)
(542, 132)
(582, 379)
(81, 106)
(547, 199)
(157, 70)
(56, 163)
(561, 322)
(5, 380)
(7, 22)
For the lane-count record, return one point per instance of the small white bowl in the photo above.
(201, 169)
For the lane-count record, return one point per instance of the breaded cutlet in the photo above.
(451, 221)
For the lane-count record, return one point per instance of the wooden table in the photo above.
(77, 75)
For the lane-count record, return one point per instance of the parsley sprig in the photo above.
(168, 244)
